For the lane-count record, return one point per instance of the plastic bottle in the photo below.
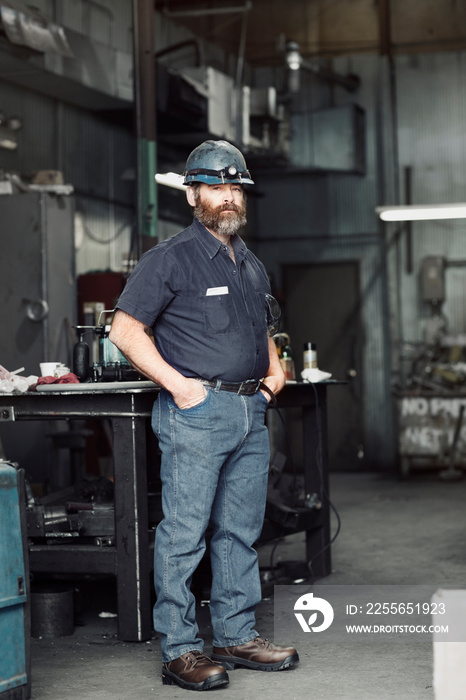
(287, 362)
(310, 356)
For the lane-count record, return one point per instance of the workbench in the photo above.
(128, 406)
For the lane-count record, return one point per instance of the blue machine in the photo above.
(14, 587)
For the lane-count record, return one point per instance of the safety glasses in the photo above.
(274, 314)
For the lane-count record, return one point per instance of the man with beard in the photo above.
(206, 298)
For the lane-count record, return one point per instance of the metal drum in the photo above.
(52, 612)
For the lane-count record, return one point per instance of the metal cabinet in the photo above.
(14, 588)
(37, 300)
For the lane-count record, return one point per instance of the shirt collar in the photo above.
(212, 245)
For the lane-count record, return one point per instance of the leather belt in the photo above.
(247, 388)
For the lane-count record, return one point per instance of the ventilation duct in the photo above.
(25, 27)
(67, 65)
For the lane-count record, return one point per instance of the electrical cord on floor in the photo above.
(328, 545)
(325, 493)
(271, 564)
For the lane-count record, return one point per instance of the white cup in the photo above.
(47, 369)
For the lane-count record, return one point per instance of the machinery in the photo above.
(90, 516)
(432, 398)
(111, 365)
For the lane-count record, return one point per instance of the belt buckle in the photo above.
(249, 384)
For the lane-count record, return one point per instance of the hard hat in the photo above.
(216, 163)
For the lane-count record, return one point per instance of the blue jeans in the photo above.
(215, 461)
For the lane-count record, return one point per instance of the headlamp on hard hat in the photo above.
(216, 163)
(225, 175)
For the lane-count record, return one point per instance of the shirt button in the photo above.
(234, 272)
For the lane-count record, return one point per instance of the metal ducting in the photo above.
(67, 65)
(26, 27)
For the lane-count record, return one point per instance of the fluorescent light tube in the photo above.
(422, 212)
(170, 180)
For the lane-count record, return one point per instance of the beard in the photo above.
(224, 224)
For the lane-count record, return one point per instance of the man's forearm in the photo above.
(130, 336)
(275, 377)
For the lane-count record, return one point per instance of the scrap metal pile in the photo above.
(440, 367)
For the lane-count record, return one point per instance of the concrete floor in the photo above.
(393, 532)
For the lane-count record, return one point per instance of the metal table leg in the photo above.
(131, 529)
(316, 481)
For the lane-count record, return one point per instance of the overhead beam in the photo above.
(385, 37)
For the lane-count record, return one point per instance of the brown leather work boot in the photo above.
(258, 654)
(194, 671)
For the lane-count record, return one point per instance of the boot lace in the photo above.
(198, 657)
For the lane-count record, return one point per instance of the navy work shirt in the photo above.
(208, 314)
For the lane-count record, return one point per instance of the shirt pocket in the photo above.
(220, 315)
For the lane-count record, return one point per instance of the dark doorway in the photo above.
(322, 305)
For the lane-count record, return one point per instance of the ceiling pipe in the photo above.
(175, 14)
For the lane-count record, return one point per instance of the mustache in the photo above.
(229, 207)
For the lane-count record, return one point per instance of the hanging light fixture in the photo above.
(422, 212)
(8, 129)
(296, 63)
(293, 56)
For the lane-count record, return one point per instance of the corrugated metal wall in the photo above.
(93, 152)
(106, 21)
(311, 218)
(93, 155)
(431, 92)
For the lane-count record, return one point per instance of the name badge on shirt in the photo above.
(214, 291)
